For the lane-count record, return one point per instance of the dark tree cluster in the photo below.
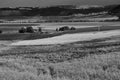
(115, 11)
(65, 28)
(27, 29)
(0, 31)
(22, 30)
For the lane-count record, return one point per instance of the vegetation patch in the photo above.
(84, 60)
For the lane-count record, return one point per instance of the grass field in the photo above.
(10, 30)
(69, 38)
(29, 36)
(97, 59)
(55, 25)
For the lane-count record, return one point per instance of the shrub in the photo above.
(22, 30)
(29, 30)
(40, 29)
(72, 28)
(64, 28)
(57, 29)
(0, 31)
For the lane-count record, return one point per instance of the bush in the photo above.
(0, 31)
(57, 29)
(29, 30)
(40, 30)
(64, 28)
(22, 30)
(72, 28)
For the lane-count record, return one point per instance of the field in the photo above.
(10, 31)
(97, 59)
(93, 59)
(54, 25)
(69, 38)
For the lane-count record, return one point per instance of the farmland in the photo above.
(69, 38)
(83, 60)
(10, 30)
(92, 59)
(63, 42)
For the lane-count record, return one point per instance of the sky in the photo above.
(44, 3)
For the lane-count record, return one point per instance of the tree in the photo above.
(115, 11)
(72, 28)
(0, 31)
(64, 28)
(57, 29)
(29, 30)
(40, 29)
(22, 30)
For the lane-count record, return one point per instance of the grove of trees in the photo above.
(0, 31)
(26, 30)
(64, 28)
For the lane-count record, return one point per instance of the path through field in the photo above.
(69, 38)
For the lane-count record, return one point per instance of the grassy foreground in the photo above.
(97, 59)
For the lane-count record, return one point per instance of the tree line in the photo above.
(52, 11)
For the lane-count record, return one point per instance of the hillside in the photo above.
(65, 10)
(61, 13)
(115, 11)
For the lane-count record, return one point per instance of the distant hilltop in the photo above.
(115, 11)
(88, 6)
(60, 10)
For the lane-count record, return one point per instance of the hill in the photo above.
(115, 11)
(60, 13)
(63, 10)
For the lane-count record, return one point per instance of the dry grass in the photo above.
(61, 53)
(95, 67)
(89, 60)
